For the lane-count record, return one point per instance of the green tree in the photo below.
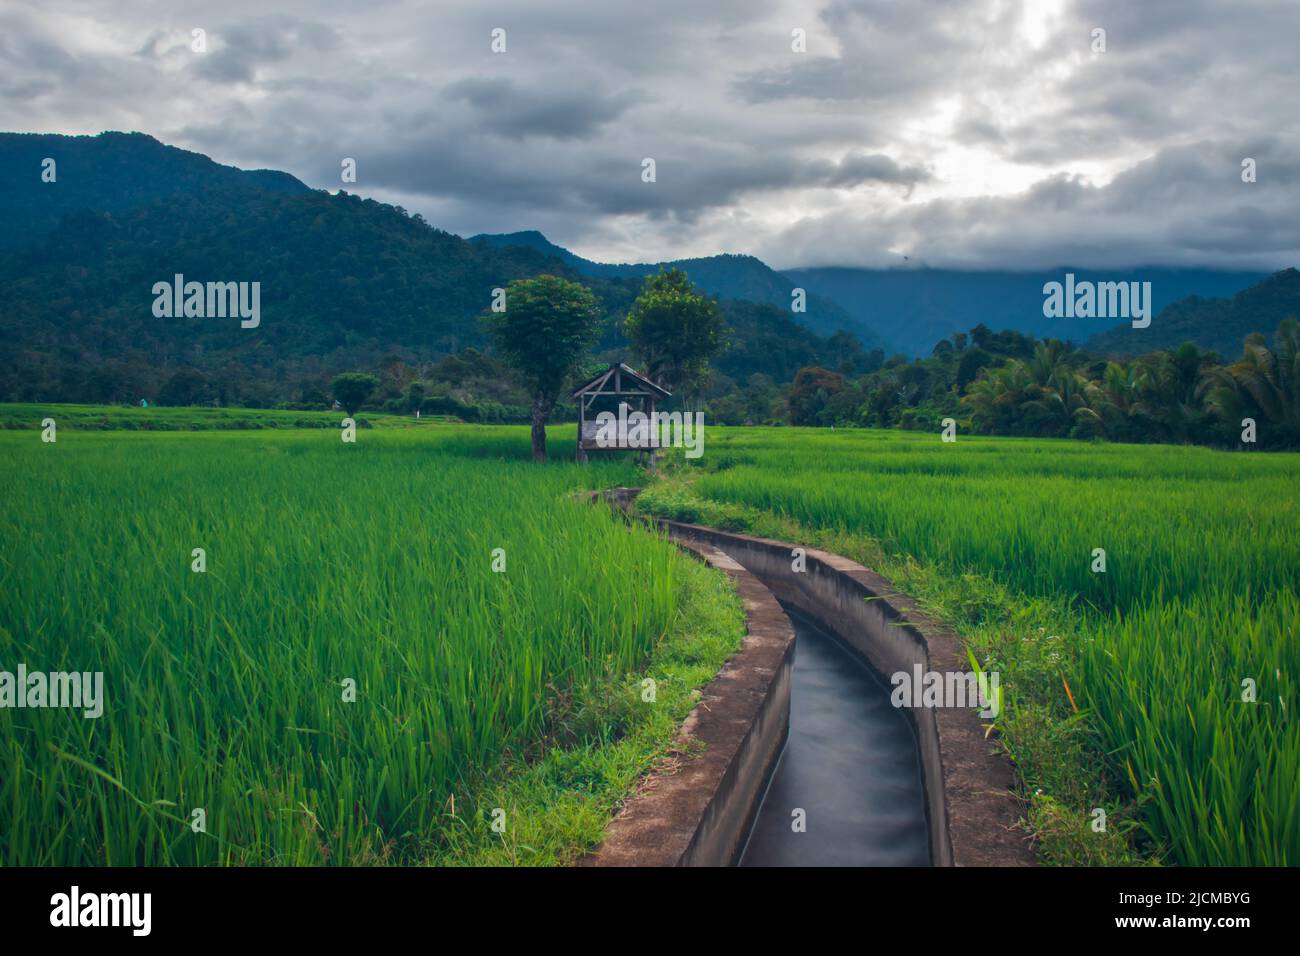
(810, 392)
(187, 387)
(675, 330)
(311, 395)
(546, 330)
(415, 395)
(352, 389)
(1264, 379)
(1176, 391)
(972, 362)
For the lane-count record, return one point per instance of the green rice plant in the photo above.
(1200, 593)
(1218, 757)
(327, 564)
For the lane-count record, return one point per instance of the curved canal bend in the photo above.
(851, 763)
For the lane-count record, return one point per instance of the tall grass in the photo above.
(1200, 593)
(325, 562)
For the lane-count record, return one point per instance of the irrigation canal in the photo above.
(851, 764)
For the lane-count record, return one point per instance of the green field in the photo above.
(1201, 591)
(372, 562)
(328, 562)
(169, 419)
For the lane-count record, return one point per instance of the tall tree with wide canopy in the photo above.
(675, 330)
(548, 327)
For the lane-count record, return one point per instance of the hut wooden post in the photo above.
(582, 421)
(648, 406)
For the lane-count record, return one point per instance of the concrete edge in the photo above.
(698, 812)
(969, 781)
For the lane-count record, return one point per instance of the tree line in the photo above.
(743, 363)
(1007, 383)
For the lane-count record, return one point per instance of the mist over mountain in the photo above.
(915, 308)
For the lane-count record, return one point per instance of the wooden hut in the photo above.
(615, 385)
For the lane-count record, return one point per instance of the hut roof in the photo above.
(619, 379)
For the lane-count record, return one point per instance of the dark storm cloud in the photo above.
(859, 168)
(516, 112)
(608, 181)
(982, 133)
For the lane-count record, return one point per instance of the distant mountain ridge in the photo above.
(917, 307)
(346, 281)
(909, 310)
(727, 276)
(1217, 324)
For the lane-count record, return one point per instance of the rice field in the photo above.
(348, 663)
(349, 670)
(1187, 651)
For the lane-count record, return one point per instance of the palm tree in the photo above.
(1174, 391)
(1048, 365)
(1263, 383)
(1007, 400)
(1272, 378)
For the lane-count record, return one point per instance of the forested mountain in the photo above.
(108, 172)
(342, 281)
(1219, 325)
(352, 284)
(345, 283)
(765, 340)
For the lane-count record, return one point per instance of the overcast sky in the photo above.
(977, 134)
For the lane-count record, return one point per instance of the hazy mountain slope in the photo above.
(915, 308)
(726, 276)
(1220, 325)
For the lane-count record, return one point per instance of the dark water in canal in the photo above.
(851, 764)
